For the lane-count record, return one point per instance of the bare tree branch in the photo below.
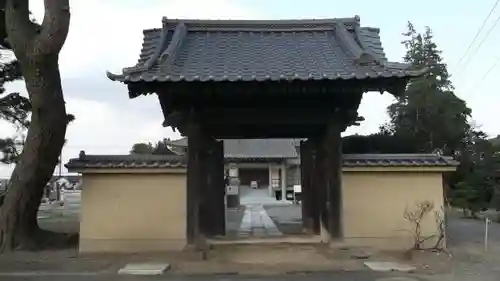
(54, 28)
(20, 29)
(416, 217)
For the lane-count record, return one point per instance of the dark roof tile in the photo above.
(169, 161)
(397, 160)
(393, 160)
(225, 50)
(137, 161)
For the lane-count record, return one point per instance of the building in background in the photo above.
(273, 163)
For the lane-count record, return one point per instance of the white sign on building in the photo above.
(232, 190)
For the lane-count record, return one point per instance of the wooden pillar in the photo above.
(318, 185)
(317, 201)
(212, 206)
(283, 183)
(194, 171)
(333, 171)
(219, 189)
(206, 188)
(307, 189)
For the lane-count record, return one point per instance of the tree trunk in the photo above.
(44, 141)
(37, 49)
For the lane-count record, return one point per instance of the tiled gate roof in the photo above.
(169, 161)
(270, 50)
(138, 161)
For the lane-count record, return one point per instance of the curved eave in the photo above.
(158, 78)
(396, 88)
(115, 77)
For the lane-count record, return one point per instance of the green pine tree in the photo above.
(428, 112)
(14, 109)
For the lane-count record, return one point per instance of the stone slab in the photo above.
(360, 254)
(256, 222)
(397, 279)
(144, 268)
(389, 266)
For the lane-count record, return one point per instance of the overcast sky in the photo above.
(107, 35)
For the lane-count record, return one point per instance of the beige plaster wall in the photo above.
(137, 211)
(374, 204)
(133, 212)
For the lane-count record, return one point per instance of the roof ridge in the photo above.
(393, 155)
(134, 156)
(375, 58)
(160, 47)
(269, 23)
(369, 28)
(355, 46)
(168, 54)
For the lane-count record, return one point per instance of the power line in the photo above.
(478, 32)
(497, 20)
(485, 75)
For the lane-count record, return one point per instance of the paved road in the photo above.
(71, 206)
(340, 276)
(470, 262)
(465, 231)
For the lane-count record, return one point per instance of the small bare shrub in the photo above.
(416, 217)
(441, 227)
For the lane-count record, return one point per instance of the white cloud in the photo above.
(107, 35)
(100, 128)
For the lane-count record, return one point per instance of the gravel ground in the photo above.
(470, 261)
(465, 240)
(339, 276)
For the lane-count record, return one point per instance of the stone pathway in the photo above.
(249, 196)
(256, 223)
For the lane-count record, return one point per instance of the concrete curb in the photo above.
(52, 273)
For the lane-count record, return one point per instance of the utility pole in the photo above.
(58, 182)
(60, 165)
